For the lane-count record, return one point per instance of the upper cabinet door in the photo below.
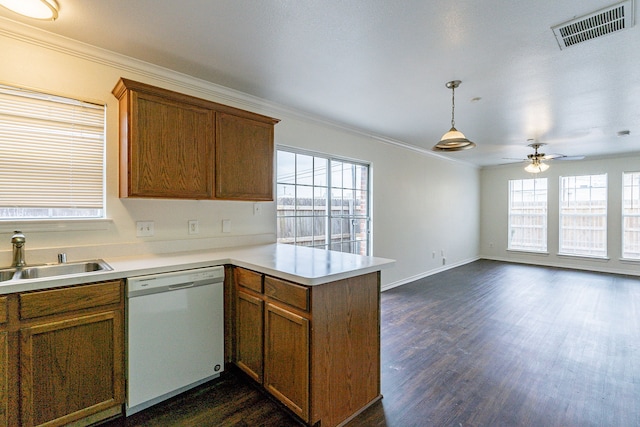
(170, 149)
(244, 158)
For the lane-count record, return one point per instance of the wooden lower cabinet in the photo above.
(249, 350)
(320, 344)
(68, 356)
(286, 356)
(4, 379)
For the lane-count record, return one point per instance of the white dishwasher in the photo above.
(175, 333)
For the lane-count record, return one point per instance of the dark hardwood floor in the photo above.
(485, 344)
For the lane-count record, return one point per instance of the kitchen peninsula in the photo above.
(302, 322)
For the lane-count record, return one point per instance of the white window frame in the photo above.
(52, 160)
(631, 216)
(326, 217)
(528, 211)
(583, 216)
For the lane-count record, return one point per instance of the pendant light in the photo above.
(46, 10)
(454, 140)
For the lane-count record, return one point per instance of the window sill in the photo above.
(630, 260)
(530, 252)
(589, 257)
(28, 225)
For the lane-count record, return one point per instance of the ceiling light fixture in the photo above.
(536, 166)
(46, 10)
(454, 140)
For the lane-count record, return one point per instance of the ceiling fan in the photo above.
(536, 159)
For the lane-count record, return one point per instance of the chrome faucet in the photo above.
(18, 240)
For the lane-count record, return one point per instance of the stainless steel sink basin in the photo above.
(52, 270)
(6, 274)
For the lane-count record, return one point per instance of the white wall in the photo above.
(422, 204)
(494, 213)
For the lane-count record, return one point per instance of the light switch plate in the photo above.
(194, 226)
(226, 226)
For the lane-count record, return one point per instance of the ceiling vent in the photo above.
(609, 20)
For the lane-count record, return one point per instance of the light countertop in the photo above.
(303, 265)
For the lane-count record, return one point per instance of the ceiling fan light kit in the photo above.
(536, 160)
(536, 166)
(453, 140)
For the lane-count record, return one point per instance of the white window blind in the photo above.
(51, 156)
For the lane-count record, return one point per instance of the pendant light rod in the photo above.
(453, 84)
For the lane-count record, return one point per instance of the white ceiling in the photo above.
(381, 65)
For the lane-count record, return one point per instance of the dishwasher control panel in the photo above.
(161, 282)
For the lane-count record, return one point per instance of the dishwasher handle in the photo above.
(140, 290)
(181, 286)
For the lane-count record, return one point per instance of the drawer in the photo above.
(249, 279)
(287, 292)
(3, 310)
(63, 300)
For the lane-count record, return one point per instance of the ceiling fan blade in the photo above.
(570, 158)
(552, 156)
(513, 161)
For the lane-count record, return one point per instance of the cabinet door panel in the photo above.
(249, 323)
(4, 379)
(244, 158)
(171, 148)
(70, 368)
(286, 369)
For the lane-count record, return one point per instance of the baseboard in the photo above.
(427, 274)
(543, 263)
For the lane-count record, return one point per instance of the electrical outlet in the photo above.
(226, 226)
(194, 226)
(144, 228)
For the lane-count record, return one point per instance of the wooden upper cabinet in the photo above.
(244, 158)
(171, 146)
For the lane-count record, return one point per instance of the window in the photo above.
(51, 156)
(528, 214)
(323, 202)
(631, 215)
(583, 215)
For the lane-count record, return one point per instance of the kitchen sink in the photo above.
(52, 270)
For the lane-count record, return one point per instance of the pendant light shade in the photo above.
(454, 140)
(46, 10)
